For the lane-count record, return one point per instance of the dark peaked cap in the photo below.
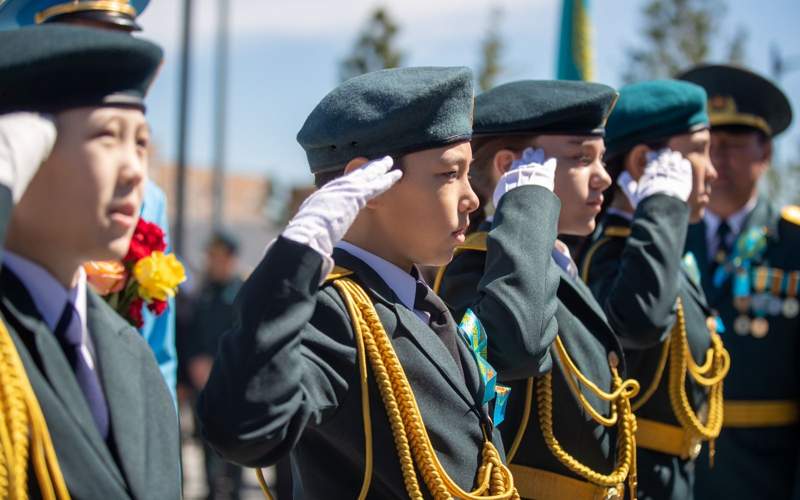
(740, 97)
(544, 107)
(53, 67)
(389, 112)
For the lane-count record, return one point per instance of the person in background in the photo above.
(747, 250)
(211, 314)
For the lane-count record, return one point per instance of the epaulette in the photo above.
(475, 241)
(336, 273)
(617, 232)
(791, 213)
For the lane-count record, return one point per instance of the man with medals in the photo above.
(657, 151)
(114, 15)
(749, 262)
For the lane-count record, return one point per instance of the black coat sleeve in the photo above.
(512, 287)
(280, 368)
(636, 280)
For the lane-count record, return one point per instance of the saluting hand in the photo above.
(26, 140)
(530, 170)
(667, 172)
(325, 216)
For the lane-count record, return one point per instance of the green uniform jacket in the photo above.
(637, 280)
(286, 378)
(756, 463)
(144, 462)
(581, 325)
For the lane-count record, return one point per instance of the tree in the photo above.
(374, 48)
(679, 34)
(491, 52)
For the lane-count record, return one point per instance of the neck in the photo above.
(365, 233)
(64, 268)
(725, 207)
(620, 202)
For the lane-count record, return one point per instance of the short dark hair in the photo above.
(322, 178)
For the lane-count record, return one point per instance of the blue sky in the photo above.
(284, 59)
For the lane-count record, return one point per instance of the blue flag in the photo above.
(574, 46)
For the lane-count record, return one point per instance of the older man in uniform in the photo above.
(117, 15)
(751, 275)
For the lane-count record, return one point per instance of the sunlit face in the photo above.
(85, 198)
(580, 179)
(695, 148)
(427, 211)
(740, 160)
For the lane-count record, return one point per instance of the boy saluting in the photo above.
(370, 358)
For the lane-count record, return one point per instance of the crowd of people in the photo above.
(550, 290)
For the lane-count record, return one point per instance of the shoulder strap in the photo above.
(338, 272)
(617, 231)
(608, 233)
(474, 242)
(791, 213)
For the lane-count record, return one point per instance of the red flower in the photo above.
(147, 238)
(157, 307)
(135, 312)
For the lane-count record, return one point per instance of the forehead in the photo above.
(565, 141)
(94, 114)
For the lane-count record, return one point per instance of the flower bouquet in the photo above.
(146, 275)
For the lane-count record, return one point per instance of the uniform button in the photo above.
(613, 359)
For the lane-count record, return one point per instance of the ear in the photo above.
(354, 164)
(502, 161)
(636, 160)
(767, 151)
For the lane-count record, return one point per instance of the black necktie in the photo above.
(441, 321)
(723, 248)
(68, 333)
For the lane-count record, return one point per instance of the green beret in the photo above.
(737, 97)
(53, 67)
(389, 112)
(653, 111)
(544, 107)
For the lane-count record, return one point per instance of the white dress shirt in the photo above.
(403, 284)
(735, 223)
(50, 297)
(564, 259)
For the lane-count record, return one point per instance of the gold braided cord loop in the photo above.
(411, 438)
(621, 415)
(23, 432)
(710, 376)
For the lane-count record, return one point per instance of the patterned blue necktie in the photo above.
(68, 332)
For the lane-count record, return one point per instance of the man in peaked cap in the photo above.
(117, 15)
(105, 405)
(390, 152)
(751, 269)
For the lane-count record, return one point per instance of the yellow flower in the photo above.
(105, 276)
(158, 276)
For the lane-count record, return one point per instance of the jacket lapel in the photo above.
(50, 358)
(119, 369)
(411, 325)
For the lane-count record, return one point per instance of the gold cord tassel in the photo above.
(23, 432)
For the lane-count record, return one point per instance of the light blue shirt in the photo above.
(159, 331)
(50, 297)
(402, 283)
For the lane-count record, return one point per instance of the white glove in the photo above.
(529, 170)
(667, 172)
(325, 216)
(26, 140)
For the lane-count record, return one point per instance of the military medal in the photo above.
(791, 306)
(741, 325)
(759, 327)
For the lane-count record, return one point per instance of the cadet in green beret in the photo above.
(569, 430)
(360, 372)
(81, 381)
(658, 140)
(750, 267)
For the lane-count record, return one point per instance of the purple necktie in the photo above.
(68, 332)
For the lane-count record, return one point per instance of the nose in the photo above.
(469, 200)
(711, 171)
(134, 166)
(600, 179)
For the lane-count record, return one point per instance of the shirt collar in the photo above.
(735, 221)
(564, 259)
(403, 284)
(48, 295)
